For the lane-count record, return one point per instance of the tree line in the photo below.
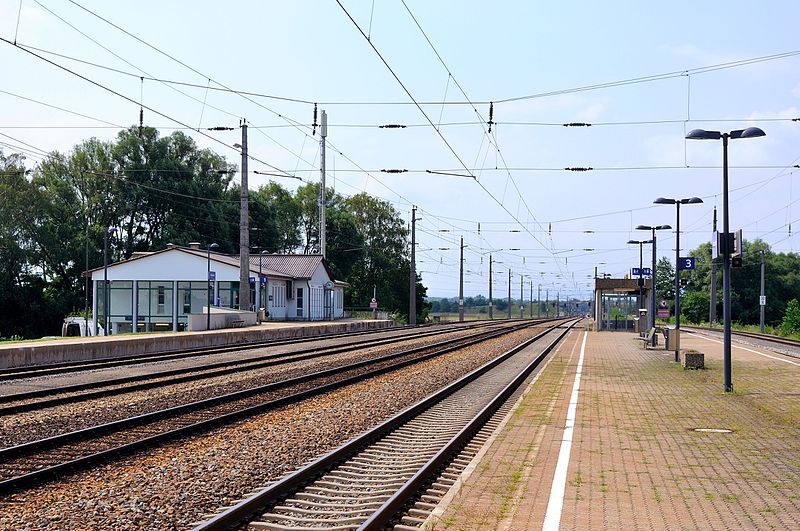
(781, 285)
(164, 189)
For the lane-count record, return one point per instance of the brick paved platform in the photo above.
(635, 461)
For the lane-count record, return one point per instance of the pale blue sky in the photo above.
(494, 51)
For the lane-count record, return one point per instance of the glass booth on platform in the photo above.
(618, 306)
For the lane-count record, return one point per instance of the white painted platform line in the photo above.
(552, 518)
(790, 362)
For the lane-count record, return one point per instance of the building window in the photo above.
(299, 302)
(160, 309)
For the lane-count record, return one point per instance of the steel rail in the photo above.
(16, 373)
(186, 374)
(284, 487)
(34, 477)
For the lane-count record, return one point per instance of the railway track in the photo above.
(16, 373)
(50, 397)
(26, 464)
(780, 345)
(395, 473)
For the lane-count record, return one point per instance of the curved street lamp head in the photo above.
(702, 134)
(691, 201)
(752, 132)
(650, 227)
(664, 201)
(213, 246)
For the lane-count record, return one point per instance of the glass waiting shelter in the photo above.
(617, 304)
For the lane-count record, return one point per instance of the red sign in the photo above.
(663, 312)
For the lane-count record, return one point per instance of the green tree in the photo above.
(385, 263)
(665, 280)
(694, 306)
(791, 318)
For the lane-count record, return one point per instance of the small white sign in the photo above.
(762, 300)
(663, 304)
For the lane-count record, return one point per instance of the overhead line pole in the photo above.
(244, 231)
(712, 307)
(491, 303)
(412, 298)
(461, 284)
(323, 133)
(521, 300)
(509, 293)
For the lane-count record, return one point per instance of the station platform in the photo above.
(60, 350)
(620, 450)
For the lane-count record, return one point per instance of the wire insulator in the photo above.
(392, 126)
(577, 124)
(491, 115)
(579, 168)
(314, 125)
(392, 170)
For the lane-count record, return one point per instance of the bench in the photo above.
(647, 338)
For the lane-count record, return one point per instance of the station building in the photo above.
(159, 290)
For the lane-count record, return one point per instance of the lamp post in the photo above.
(653, 228)
(106, 298)
(678, 203)
(208, 290)
(701, 134)
(641, 281)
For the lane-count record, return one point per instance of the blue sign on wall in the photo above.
(686, 263)
(212, 275)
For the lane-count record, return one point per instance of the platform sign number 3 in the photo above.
(686, 263)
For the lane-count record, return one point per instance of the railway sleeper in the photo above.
(299, 519)
(361, 511)
(308, 497)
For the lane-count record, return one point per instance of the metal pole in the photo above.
(412, 299)
(547, 303)
(641, 280)
(509, 293)
(491, 303)
(323, 133)
(712, 307)
(726, 273)
(461, 284)
(531, 299)
(653, 290)
(105, 282)
(539, 301)
(86, 286)
(761, 320)
(677, 280)
(208, 291)
(521, 300)
(558, 305)
(244, 232)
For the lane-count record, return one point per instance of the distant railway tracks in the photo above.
(98, 388)
(782, 345)
(395, 473)
(29, 463)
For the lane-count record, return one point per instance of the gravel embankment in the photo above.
(38, 424)
(176, 485)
